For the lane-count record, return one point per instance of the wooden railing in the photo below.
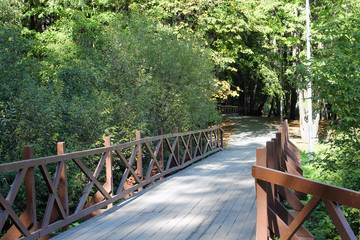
(21, 216)
(226, 109)
(277, 170)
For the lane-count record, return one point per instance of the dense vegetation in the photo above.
(108, 74)
(80, 70)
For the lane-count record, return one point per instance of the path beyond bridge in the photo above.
(212, 199)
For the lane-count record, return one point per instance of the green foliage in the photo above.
(335, 76)
(87, 76)
(333, 166)
(108, 74)
(163, 80)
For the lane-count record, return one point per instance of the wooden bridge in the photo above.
(210, 199)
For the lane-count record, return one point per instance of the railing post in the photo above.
(161, 151)
(190, 146)
(109, 173)
(261, 198)
(271, 188)
(28, 217)
(63, 186)
(30, 189)
(176, 150)
(139, 170)
(221, 138)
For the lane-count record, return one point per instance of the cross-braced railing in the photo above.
(129, 167)
(279, 180)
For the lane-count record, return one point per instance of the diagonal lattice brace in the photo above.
(198, 145)
(53, 197)
(12, 195)
(186, 147)
(6, 206)
(172, 153)
(93, 180)
(153, 158)
(129, 169)
(300, 218)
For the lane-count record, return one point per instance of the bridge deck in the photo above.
(212, 199)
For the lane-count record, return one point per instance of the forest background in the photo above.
(80, 70)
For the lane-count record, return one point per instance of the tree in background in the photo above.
(87, 76)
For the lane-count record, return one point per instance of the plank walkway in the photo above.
(212, 199)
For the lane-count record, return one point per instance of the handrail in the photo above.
(278, 169)
(161, 155)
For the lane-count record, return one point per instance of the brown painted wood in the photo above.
(261, 204)
(128, 168)
(30, 187)
(58, 202)
(17, 222)
(325, 191)
(300, 218)
(161, 150)
(291, 198)
(5, 167)
(93, 181)
(109, 171)
(53, 196)
(153, 160)
(63, 186)
(173, 154)
(288, 218)
(11, 197)
(139, 165)
(176, 150)
(339, 221)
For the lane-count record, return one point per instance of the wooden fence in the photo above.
(129, 167)
(226, 109)
(277, 170)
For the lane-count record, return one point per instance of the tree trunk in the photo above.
(244, 96)
(293, 104)
(271, 107)
(304, 120)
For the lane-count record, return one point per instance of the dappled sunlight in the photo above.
(212, 199)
